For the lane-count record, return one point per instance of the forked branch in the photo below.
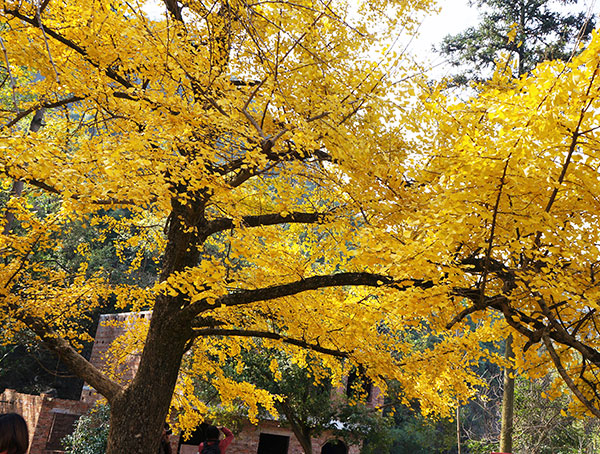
(271, 335)
(567, 379)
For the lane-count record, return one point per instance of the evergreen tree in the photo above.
(528, 31)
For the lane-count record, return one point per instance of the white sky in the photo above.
(456, 16)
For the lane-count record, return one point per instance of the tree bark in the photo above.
(303, 435)
(139, 412)
(508, 399)
(458, 445)
(306, 443)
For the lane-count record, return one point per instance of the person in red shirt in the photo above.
(212, 442)
(14, 436)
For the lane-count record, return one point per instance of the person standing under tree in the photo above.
(212, 445)
(165, 444)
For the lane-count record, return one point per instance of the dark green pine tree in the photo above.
(542, 33)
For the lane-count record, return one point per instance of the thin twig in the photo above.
(488, 253)
(13, 84)
(39, 19)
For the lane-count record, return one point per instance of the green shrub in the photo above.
(91, 432)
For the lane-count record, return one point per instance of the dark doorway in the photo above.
(62, 425)
(273, 444)
(198, 436)
(334, 447)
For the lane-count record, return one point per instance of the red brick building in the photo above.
(51, 419)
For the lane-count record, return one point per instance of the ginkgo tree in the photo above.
(274, 160)
(512, 179)
(247, 142)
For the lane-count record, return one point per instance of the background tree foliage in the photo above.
(542, 425)
(306, 399)
(538, 32)
(91, 432)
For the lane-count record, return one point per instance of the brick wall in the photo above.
(110, 327)
(247, 441)
(49, 419)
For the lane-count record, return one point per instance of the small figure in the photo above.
(212, 445)
(14, 436)
(165, 445)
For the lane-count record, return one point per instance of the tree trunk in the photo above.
(458, 445)
(301, 431)
(304, 439)
(139, 412)
(521, 37)
(508, 399)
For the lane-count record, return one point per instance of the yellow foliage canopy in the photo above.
(273, 168)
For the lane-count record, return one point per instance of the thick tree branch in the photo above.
(480, 303)
(477, 265)
(174, 9)
(42, 105)
(531, 328)
(220, 224)
(76, 363)
(110, 72)
(567, 379)
(270, 335)
(248, 296)
(224, 169)
(53, 190)
(275, 157)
